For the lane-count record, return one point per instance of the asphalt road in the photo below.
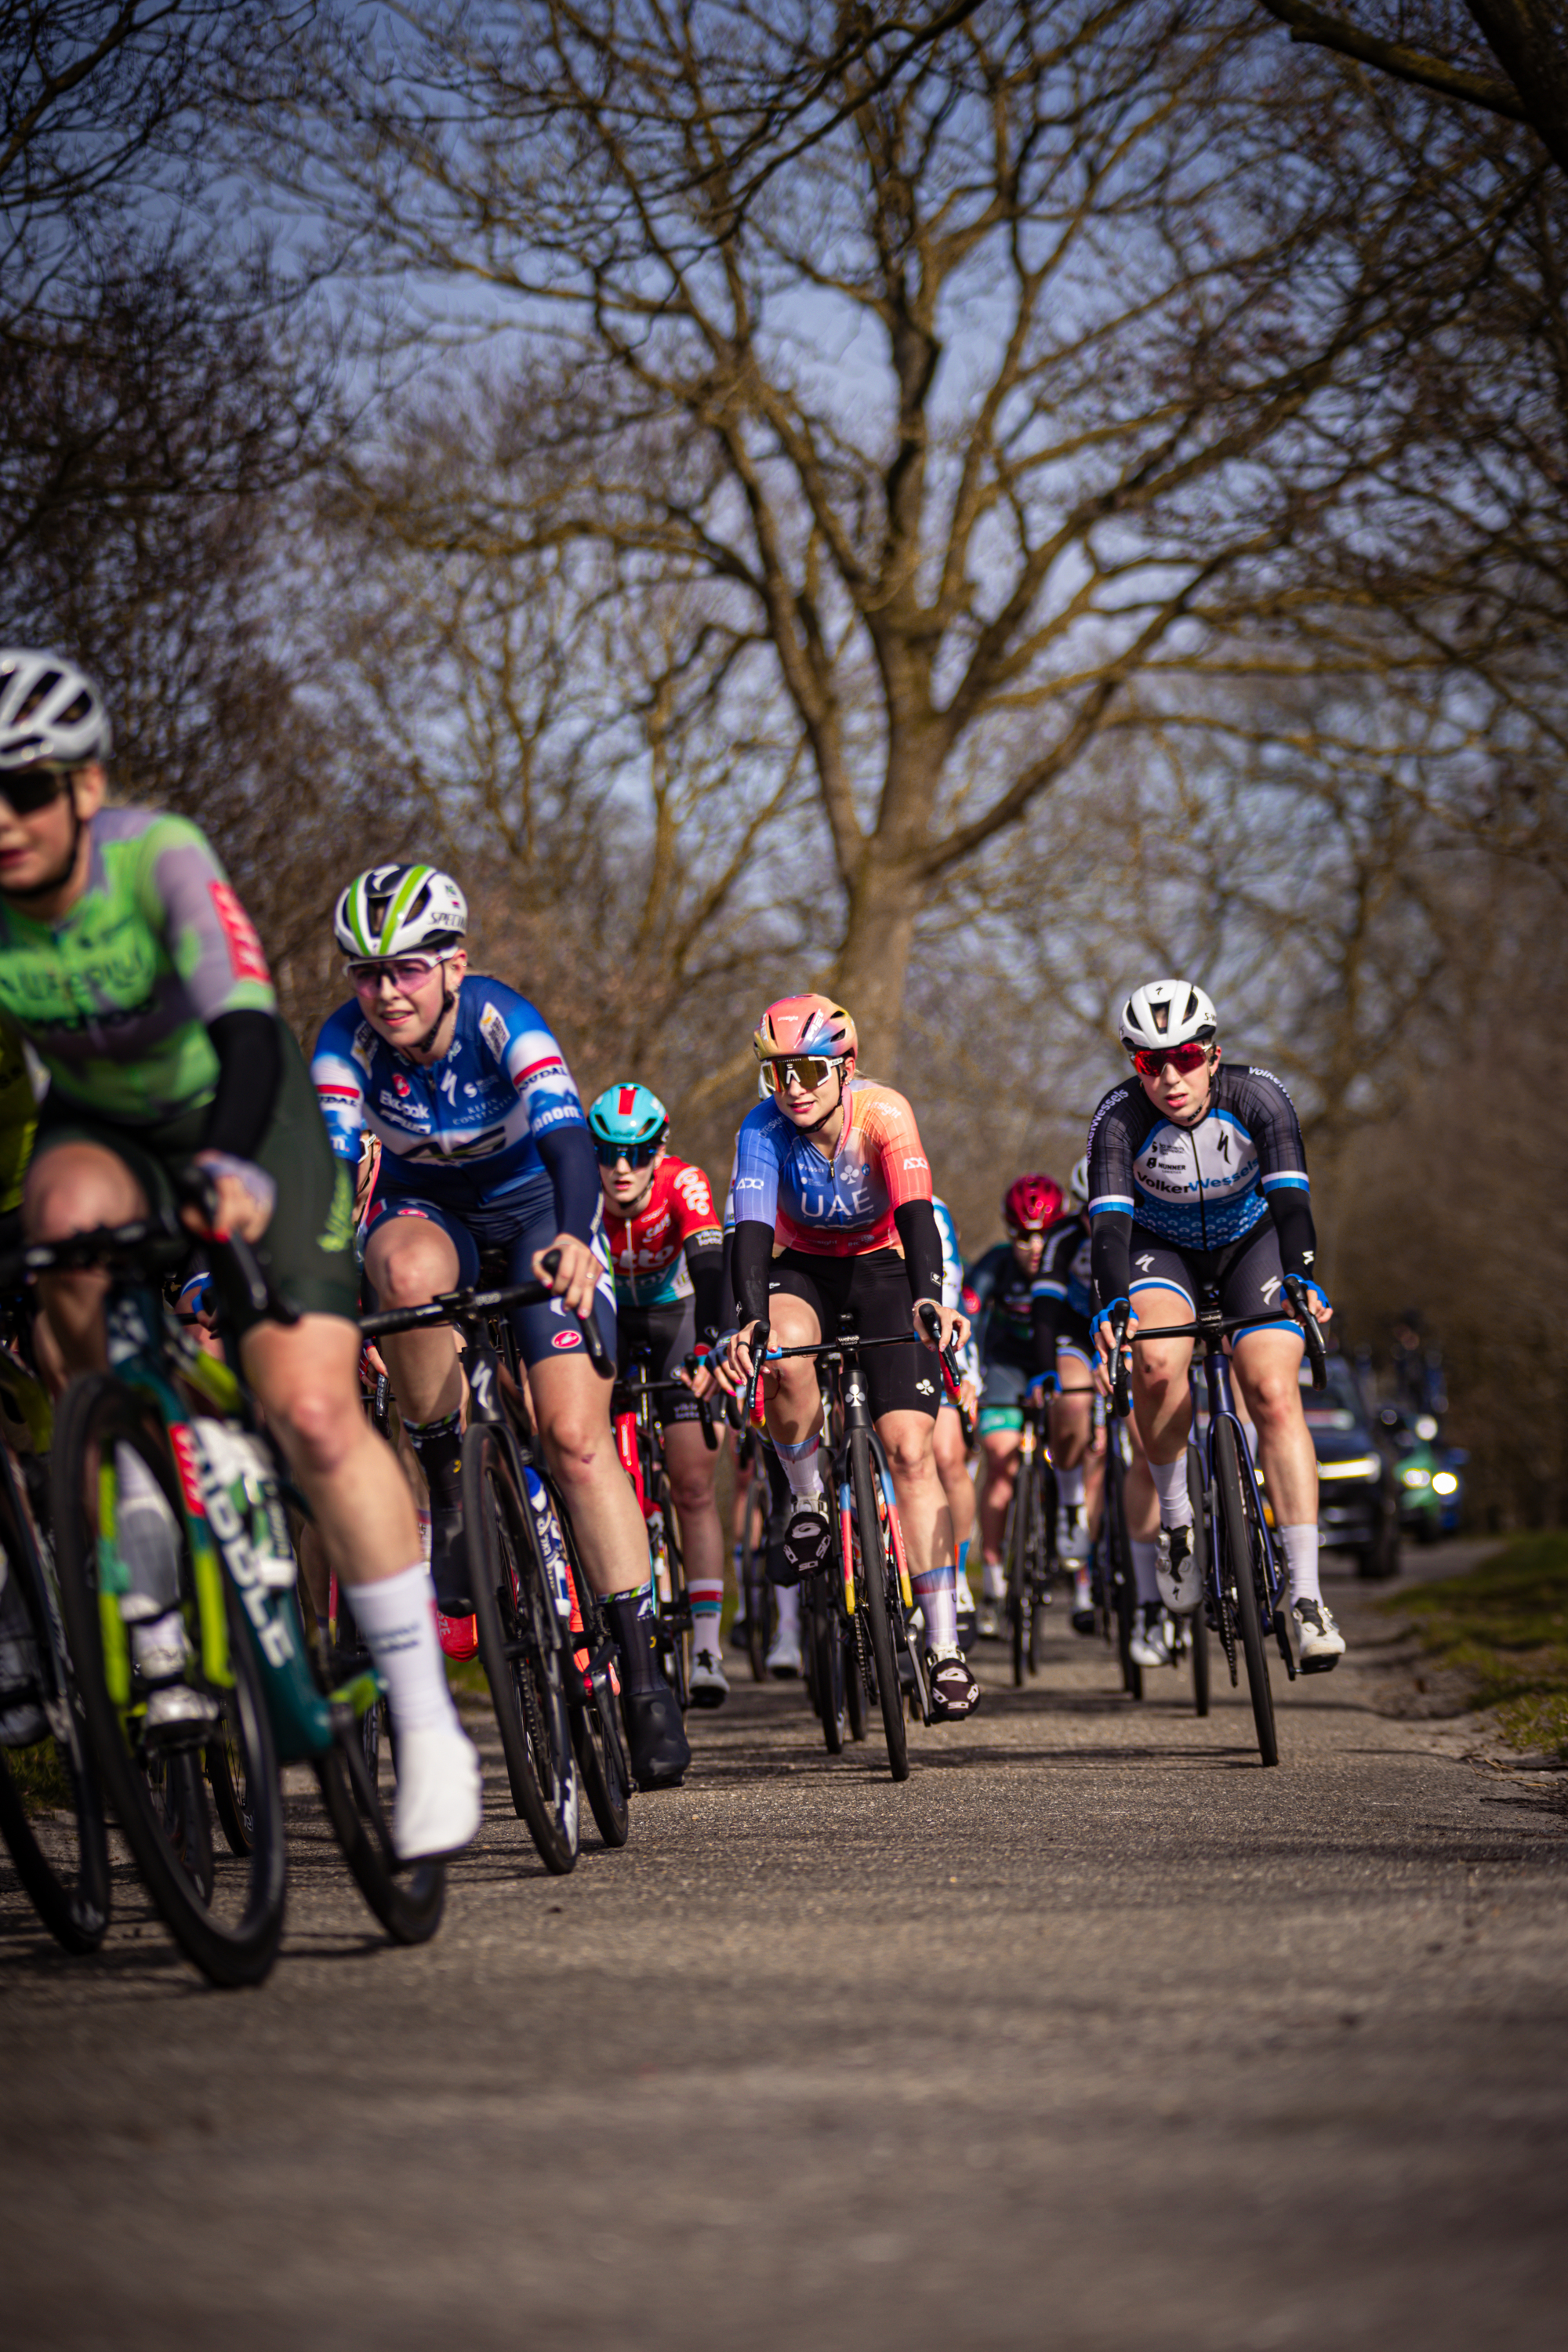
(1094, 2034)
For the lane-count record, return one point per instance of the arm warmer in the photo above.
(1111, 1248)
(249, 1049)
(1290, 1206)
(922, 1237)
(568, 1156)
(753, 1255)
(706, 1268)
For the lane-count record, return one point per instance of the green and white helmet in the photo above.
(400, 911)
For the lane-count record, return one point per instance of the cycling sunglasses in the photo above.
(808, 1070)
(636, 1155)
(26, 791)
(404, 971)
(1150, 1060)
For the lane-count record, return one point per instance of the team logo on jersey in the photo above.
(399, 1084)
(492, 1029)
(246, 958)
(363, 1046)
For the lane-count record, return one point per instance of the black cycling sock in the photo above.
(631, 1619)
(439, 1447)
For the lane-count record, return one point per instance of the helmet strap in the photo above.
(448, 998)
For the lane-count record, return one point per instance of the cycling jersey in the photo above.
(652, 1250)
(1201, 1187)
(118, 996)
(840, 1205)
(463, 1132)
(999, 1289)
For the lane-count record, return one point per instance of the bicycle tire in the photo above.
(1241, 1569)
(598, 1739)
(408, 1898)
(757, 1592)
(872, 1596)
(70, 1896)
(826, 1653)
(1198, 1626)
(519, 1630)
(1124, 1583)
(225, 1777)
(1017, 1583)
(99, 1412)
(1043, 1541)
(675, 1642)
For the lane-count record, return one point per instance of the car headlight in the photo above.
(1361, 1466)
(1415, 1478)
(1445, 1483)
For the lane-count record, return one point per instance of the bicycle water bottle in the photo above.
(550, 1542)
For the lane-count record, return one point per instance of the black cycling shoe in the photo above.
(955, 1693)
(449, 1562)
(655, 1736)
(808, 1540)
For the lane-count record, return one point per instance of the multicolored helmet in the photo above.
(1078, 1182)
(627, 1116)
(51, 714)
(392, 910)
(804, 1025)
(1031, 1203)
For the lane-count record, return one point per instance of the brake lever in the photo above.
(1311, 1330)
(758, 1348)
(1120, 1366)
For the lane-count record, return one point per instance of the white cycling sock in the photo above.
(802, 1467)
(992, 1582)
(934, 1590)
(1069, 1487)
(1144, 1559)
(397, 1618)
(1301, 1559)
(1171, 1485)
(786, 1601)
(706, 1600)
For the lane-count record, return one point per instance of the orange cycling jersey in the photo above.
(832, 1206)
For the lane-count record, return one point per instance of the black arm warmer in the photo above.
(922, 1238)
(752, 1256)
(706, 1268)
(1110, 1256)
(249, 1049)
(1292, 1209)
(569, 1162)
(1042, 1320)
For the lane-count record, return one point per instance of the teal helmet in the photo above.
(629, 1119)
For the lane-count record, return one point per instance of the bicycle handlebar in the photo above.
(1300, 1316)
(139, 1242)
(453, 1303)
(947, 1358)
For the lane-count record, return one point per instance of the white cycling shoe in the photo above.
(1072, 1535)
(1150, 1643)
(709, 1684)
(1177, 1571)
(784, 1660)
(1322, 1643)
(439, 1800)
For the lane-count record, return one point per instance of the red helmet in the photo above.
(1032, 1203)
(803, 1025)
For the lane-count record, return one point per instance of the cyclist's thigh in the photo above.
(309, 1245)
(804, 1295)
(903, 1379)
(1252, 1282)
(908, 1441)
(672, 1331)
(950, 1454)
(414, 1250)
(1002, 1385)
(547, 1333)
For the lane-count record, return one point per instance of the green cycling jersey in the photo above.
(118, 996)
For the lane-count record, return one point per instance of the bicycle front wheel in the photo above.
(1240, 1576)
(826, 1668)
(1198, 1628)
(872, 1596)
(522, 1647)
(227, 1918)
(408, 1898)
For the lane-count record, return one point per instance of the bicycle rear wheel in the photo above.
(520, 1646)
(872, 1596)
(228, 1920)
(51, 1808)
(674, 1608)
(1241, 1578)
(1198, 1627)
(1118, 1565)
(598, 1739)
(1014, 1551)
(408, 1898)
(826, 1654)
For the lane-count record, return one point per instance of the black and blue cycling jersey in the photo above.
(1201, 1188)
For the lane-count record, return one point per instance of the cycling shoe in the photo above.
(655, 1736)
(439, 1800)
(808, 1540)
(955, 1693)
(449, 1563)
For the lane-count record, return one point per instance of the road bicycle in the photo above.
(754, 1588)
(1239, 1563)
(51, 1806)
(1116, 1591)
(639, 1442)
(226, 1560)
(1029, 1542)
(544, 1644)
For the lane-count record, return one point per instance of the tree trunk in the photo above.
(873, 963)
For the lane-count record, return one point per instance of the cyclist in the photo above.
(1198, 1177)
(832, 1213)
(998, 1292)
(484, 1145)
(128, 961)
(667, 1247)
(1061, 1304)
(951, 1455)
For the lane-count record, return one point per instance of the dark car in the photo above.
(1358, 1487)
(1431, 1485)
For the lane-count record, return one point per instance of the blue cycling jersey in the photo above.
(462, 1132)
(1065, 1272)
(1203, 1186)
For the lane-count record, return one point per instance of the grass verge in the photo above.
(39, 1777)
(1504, 1627)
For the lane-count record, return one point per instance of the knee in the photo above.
(912, 1457)
(577, 1442)
(1272, 1401)
(409, 1274)
(691, 1491)
(318, 1423)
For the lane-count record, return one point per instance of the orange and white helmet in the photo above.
(804, 1025)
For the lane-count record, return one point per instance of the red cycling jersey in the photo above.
(647, 1250)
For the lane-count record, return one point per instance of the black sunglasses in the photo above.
(26, 791)
(636, 1155)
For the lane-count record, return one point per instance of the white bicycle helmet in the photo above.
(1167, 1013)
(1078, 1182)
(400, 911)
(51, 714)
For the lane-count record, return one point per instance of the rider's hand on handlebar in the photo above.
(955, 1326)
(577, 1276)
(1105, 1336)
(732, 1361)
(242, 1197)
(701, 1381)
